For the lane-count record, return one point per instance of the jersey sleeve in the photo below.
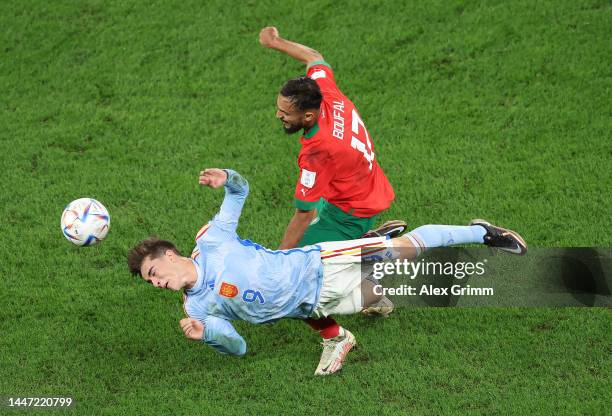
(221, 335)
(226, 220)
(322, 73)
(316, 173)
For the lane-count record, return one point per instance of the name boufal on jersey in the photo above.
(338, 160)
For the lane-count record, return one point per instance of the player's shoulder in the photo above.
(195, 305)
(202, 231)
(212, 234)
(319, 69)
(322, 73)
(319, 152)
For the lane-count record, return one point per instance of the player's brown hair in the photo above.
(303, 92)
(153, 247)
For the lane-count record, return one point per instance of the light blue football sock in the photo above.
(430, 236)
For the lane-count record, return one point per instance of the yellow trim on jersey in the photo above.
(202, 231)
(358, 251)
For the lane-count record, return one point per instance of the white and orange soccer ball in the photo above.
(85, 222)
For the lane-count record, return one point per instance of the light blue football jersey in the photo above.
(239, 279)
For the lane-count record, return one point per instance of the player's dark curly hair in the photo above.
(303, 92)
(153, 247)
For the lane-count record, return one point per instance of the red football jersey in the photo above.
(337, 159)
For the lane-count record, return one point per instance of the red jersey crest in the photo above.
(228, 290)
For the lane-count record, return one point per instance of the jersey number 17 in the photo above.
(356, 143)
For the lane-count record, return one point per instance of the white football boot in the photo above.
(334, 352)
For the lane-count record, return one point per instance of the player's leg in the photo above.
(326, 227)
(411, 244)
(337, 298)
(341, 294)
(479, 231)
(373, 304)
(326, 327)
(337, 256)
(334, 352)
(323, 228)
(345, 288)
(336, 348)
(365, 299)
(331, 224)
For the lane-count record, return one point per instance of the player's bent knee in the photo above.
(369, 295)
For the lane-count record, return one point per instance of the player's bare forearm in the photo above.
(270, 38)
(296, 228)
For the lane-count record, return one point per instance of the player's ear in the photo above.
(309, 116)
(171, 255)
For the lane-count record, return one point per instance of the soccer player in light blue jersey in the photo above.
(227, 278)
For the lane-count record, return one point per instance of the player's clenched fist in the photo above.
(268, 36)
(215, 178)
(192, 328)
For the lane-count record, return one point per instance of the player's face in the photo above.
(292, 118)
(162, 272)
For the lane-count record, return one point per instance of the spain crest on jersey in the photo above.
(228, 290)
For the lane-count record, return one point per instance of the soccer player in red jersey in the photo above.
(341, 187)
(340, 182)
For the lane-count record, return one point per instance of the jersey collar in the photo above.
(313, 130)
(200, 280)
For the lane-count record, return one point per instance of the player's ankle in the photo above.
(331, 331)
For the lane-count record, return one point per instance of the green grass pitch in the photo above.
(494, 109)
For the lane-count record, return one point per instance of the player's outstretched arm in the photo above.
(216, 332)
(192, 328)
(236, 191)
(270, 38)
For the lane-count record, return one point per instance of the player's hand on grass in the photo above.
(215, 178)
(268, 36)
(192, 328)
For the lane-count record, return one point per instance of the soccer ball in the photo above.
(85, 221)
